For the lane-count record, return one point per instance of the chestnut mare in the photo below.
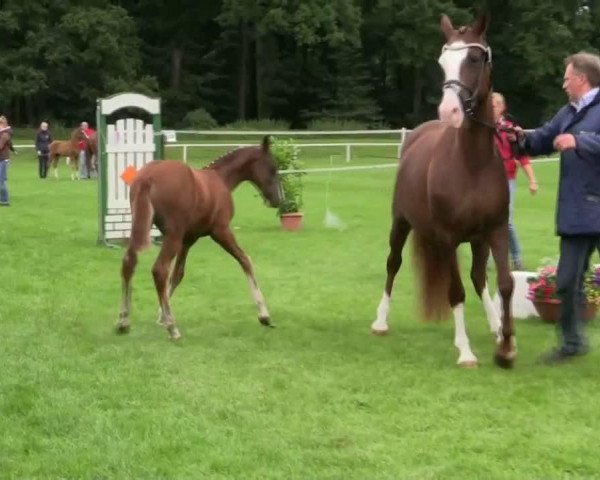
(186, 204)
(451, 188)
(69, 149)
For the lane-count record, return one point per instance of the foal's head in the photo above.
(263, 173)
(77, 134)
(466, 60)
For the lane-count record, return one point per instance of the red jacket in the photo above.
(87, 132)
(505, 151)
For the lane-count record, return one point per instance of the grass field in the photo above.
(316, 398)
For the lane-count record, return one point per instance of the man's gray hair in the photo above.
(588, 64)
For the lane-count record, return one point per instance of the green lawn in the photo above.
(316, 398)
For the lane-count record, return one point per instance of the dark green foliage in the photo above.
(373, 62)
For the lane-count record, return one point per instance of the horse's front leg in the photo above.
(506, 351)
(224, 237)
(398, 234)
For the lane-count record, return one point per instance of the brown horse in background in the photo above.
(68, 149)
(186, 204)
(451, 188)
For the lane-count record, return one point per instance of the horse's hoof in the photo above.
(379, 333)
(122, 329)
(504, 361)
(469, 364)
(174, 334)
(266, 322)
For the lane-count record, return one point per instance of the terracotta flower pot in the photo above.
(549, 310)
(291, 221)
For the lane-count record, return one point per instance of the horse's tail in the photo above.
(432, 264)
(142, 214)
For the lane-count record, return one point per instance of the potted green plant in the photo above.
(542, 292)
(285, 154)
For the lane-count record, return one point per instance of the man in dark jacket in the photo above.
(43, 139)
(575, 133)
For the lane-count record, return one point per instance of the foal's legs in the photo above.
(160, 272)
(480, 252)
(177, 274)
(456, 297)
(53, 162)
(127, 270)
(506, 351)
(398, 234)
(226, 239)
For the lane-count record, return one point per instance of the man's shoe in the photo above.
(557, 356)
(4, 204)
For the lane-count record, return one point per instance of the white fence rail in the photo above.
(347, 146)
(344, 146)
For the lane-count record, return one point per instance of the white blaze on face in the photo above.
(450, 109)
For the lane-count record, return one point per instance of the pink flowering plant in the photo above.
(542, 286)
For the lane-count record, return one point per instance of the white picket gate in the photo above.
(124, 148)
(129, 143)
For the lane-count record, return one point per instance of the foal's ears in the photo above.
(266, 143)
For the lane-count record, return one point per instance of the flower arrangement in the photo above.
(542, 286)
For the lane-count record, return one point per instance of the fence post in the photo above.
(402, 138)
(185, 154)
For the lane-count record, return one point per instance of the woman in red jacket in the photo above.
(510, 163)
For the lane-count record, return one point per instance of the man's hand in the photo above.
(515, 134)
(564, 141)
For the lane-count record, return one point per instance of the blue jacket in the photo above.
(578, 205)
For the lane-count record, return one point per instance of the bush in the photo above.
(285, 154)
(199, 119)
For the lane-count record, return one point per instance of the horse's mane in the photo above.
(223, 158)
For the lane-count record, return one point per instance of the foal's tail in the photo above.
(142, 214)
(432, 264)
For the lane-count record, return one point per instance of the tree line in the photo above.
(303, 63)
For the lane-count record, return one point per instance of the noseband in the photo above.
(468, 97)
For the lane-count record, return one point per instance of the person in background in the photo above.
(5, 148)
(574, 132)
(43, 139)
(504, 148)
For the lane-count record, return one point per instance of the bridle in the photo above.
(468, 97)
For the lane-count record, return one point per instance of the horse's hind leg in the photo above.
(456, 297)
(177, 274)
(506, 351)
(398, 235)
(226, 239)
(127, 270)
(480, 253)
(73, 163)
(160, 272)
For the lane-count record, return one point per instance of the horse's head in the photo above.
(466, 60)
(264, 174)
(77, 135)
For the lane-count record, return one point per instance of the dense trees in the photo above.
(368, 61)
